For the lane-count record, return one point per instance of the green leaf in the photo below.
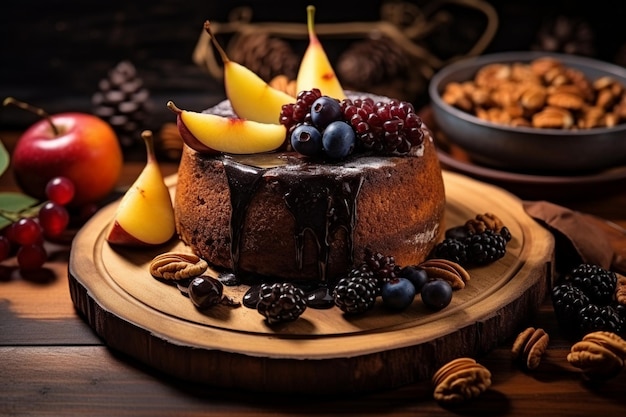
(12, 204)
(4, 158)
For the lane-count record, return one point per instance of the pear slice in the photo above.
(315, 69)
(145, 216)
(212, 133)
(249, 95)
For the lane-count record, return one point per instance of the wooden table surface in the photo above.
(53, 364)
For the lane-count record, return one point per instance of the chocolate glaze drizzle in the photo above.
(320, 202)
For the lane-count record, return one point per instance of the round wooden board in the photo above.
(324, 350)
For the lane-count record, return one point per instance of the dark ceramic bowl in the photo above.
(525, 148)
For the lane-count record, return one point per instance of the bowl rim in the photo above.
(522, 56)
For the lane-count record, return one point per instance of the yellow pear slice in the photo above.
(229, 135)
(249, 95)
(145, 215)
(315, 69)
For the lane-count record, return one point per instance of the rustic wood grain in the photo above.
(45, 371)
(322, 351)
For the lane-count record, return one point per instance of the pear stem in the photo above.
(310, 21)
(170, 105)
(36, 110)
(220, 50)
(148, 139)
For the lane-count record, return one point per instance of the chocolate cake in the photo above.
(282, 216)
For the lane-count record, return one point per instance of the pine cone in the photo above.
(566, 35)
(266, 56)
(380, 66)
(122, 101)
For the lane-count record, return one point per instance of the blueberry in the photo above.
(324, 111)
(436, 294)
(338, 140)
(416, 275)
(306, 140)
(398, 293)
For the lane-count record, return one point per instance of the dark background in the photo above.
(55, 52)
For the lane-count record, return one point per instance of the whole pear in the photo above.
(315, 69)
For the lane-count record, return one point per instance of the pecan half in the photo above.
(459, 380)
(177, 266)
(596, 360)
(529, 347)
(447, 270)
(609, 340)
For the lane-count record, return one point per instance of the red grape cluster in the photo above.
(25, 237)
(294, 114)
(384, 126)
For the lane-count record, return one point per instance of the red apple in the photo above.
(79, 146)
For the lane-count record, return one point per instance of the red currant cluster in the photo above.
(25, 236)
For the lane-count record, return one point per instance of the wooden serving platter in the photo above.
(323, 351)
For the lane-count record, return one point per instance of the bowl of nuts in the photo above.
(533, 112)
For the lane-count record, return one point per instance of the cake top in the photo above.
(322, 122)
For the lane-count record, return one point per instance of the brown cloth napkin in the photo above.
(580, 238)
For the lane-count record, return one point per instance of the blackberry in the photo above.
(506, 234)
(594, 318)
(567, 301)
(486, 247)
(280, 302)
(596, 282)
(362, 271)
(356, 293)
(383, 267)
(451, 249)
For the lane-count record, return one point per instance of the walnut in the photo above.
(454, 95)
(177, 266)
(553, 117)
(533, 97)
(605, 99)
(542, 65)
(492, 74)
(565, 100)
(591, 116)
(603, 82)
(620, 291)
(529, 347)
(485, 221)
(556, 76)
(543, 93)
(600, 355)
(459, 380)
(450, 271)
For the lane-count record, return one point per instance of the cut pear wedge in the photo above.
(228, 135)
(249, 95)
(145, 215)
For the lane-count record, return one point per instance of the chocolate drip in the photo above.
(320, 202)
(243, 181)
(321, 207)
